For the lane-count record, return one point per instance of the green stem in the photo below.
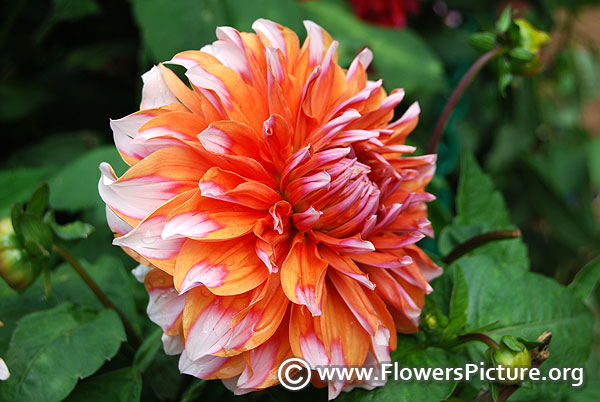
(72, 261)
(478, 241)
(457, 93)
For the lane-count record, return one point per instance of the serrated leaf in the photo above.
(50, 350)
(480, 206)
(124, 385)
(477, 200)
(526, 304)
(586, 280)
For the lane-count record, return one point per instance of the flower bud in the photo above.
(531, 41)
(16, 267)
(512, 355)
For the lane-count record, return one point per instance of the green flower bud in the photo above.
(16, 267)
(431, 321)
(512, 355)
(527, 55)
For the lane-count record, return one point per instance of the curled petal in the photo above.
(303, 274)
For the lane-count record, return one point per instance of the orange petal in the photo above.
(147, 185)
(259, 321)
(207, 321)
(225, 267)
(264, 361)
(356, 300)
(229, 186)
(165, 306)
(344, 265)
(306, 337)
(147, 240)
(303, 274)
(205, 218)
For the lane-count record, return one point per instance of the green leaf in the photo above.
(526, 304)
(168, 27)
(504, 20)
(21, 182)
(110, 274)
(505, 77)
(50, 350)
(477, 200)
(25, 98)
(481, 207)
(75, 185)
(512, 343)
(35, 230)
(413, 391)
(124, 385)
(71, 231)
(459, 305)
(36, 250)
(241, 14)
(16, 211)
(586, 280)
(163, 378)
(194, 391)
(145, 354)
(38, 202)
(55, 151)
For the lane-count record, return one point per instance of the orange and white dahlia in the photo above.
(275, 206)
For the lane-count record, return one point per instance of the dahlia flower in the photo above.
(273, 206)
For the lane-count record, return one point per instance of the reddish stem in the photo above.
(457, 93)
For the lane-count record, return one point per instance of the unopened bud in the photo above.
(531, 43)
(16, 267)
(512, 355)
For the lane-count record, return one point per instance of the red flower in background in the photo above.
(385, 12)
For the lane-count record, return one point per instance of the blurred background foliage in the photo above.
(67, 66)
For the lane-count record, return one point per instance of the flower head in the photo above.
(278, 205)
